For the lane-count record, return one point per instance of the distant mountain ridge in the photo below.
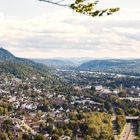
(113, 65)
(20, 66)
(54, 62)
(25, 69)
(6, 55)
(10, 63)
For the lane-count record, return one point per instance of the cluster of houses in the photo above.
(26, 116)
(27, 98)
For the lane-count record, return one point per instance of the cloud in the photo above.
(1, 16)
(68, 34)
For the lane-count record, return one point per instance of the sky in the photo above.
(33, 29)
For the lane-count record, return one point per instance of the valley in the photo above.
(39, 102)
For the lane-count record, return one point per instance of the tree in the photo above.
(68, 132)
(3, 136)
(49, 120)
(60, 132)
(93, 88)
(39, 137)
(121, 120)
(7, 125)
(10, 135)
(119, 111)
(105, 135)
(83, 127)
(88, 137)
(86, 7)
(1, 110)
(55, 137)
(122, 94)
(25, 137)
(73, 125)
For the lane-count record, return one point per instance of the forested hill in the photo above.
(113, 65)
(24, 68)
(55, 62)
(31, 72)
(5, 55)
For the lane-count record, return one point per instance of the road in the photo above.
(131, 136)
(126, 132)
(129, 132)
(132, 132)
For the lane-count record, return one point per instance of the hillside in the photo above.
(55, 62)
(5, 55)
(24, 68)
(33, 72)
(113, 65)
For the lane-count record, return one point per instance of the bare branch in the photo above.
(60, 1)
(55, 3)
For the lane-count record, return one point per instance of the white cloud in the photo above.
(67, 34)
(1, 16)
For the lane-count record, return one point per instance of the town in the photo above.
(31, 110)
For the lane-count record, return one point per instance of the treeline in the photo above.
(92, 126)
(129, 107)
(5, 108)
(88, 126)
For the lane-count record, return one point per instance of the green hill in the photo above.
(25, 68)
(130, 67)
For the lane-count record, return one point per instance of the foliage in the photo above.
(118, 66)
(55, 137)
(68, 132)
(39, 137)
(121, 121)
(86, 7)
(119, 111)
(3, 136)
(128, 107)
(94, 125)
(122, 94)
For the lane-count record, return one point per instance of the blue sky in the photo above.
(34, 29)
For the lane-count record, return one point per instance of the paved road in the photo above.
(126, 132)
(129, 132)
(131, 136)
(133, 132)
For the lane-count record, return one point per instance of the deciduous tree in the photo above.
(86, 7)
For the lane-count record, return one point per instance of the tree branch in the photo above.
(55, 3)
(86, 7)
